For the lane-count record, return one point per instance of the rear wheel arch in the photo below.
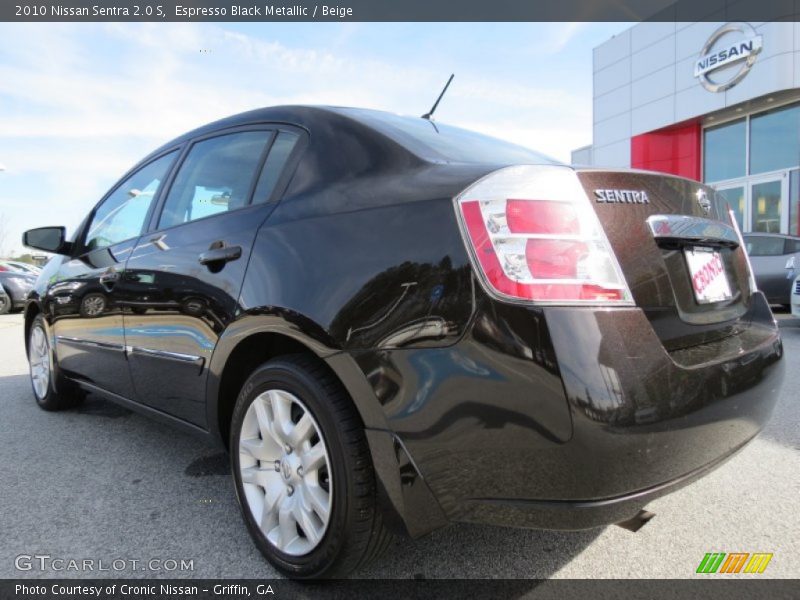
(31, 310)
(245, 357)
(251, 351)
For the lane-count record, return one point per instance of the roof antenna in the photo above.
(429, 115)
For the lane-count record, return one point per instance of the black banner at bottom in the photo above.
(265, 589)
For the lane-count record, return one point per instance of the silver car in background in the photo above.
(5, 302)
(776, 262)
(16, 285)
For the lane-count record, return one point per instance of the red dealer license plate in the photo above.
(709, 280)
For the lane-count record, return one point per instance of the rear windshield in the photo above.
(443, 143)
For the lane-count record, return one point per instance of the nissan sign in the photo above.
(730, 45)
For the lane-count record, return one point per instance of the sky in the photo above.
(81, 103)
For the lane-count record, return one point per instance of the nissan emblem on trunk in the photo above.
(729, 45)
(703, 201)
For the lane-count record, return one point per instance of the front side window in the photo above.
(792, 246)
(121, 216)
(758, 245)
(215, 177)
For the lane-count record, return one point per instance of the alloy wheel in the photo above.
(285, 472)
(94, 305)
(39, 359)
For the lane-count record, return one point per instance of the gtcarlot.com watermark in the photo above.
(46, 562)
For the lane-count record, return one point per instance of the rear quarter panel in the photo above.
(379, 277)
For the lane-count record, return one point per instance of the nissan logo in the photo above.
(703, 201)
(723, 49)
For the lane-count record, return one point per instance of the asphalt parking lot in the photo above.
(101, 482)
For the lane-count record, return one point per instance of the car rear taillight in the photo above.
(535, 237)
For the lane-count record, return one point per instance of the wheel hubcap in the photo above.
(285, 471)
(94, 305)
(39, 359)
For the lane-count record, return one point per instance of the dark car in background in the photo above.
(775, 259)
(393, 325)
(16, 285)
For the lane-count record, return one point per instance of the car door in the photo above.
(768, 257)
(84, 299)
(183, 278)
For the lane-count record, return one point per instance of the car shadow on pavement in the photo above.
(464, 551)
(782, 426)
(459, 551)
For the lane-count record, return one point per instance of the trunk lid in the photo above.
(674, 253)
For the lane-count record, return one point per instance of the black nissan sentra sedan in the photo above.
(393, 325)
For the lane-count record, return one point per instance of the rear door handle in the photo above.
(218, 256)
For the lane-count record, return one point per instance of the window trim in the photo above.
(289, 168)
(81, 248)
(274, 128)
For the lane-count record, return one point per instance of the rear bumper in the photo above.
(643, 416)
(569, 418)
(580, 514)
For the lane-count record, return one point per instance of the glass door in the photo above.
(734, 195)
(769, 203)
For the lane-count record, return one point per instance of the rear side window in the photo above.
(273, 168)
(764, 246)
(121, 216)
(215, 177)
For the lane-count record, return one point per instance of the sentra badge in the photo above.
(622, 196)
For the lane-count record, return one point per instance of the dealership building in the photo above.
(716, 102)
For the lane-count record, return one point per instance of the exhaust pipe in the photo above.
(635, 523)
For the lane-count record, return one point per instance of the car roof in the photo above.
(427, 140)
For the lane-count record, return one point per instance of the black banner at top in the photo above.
(397, 10)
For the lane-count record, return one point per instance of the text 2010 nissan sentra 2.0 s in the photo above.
(394, 324)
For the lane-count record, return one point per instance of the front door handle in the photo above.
(221, 255)
(108, 279)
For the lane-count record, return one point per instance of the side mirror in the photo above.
(49, 239)
(790, 263)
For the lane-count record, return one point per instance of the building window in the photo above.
(766, 198)
(794, 203)
(735, 198)
(725, 151)
(775, 140)
(753, 163)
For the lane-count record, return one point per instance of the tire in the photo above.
(354, 532)
(93, 305)
(51, 390)
(5, 304)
